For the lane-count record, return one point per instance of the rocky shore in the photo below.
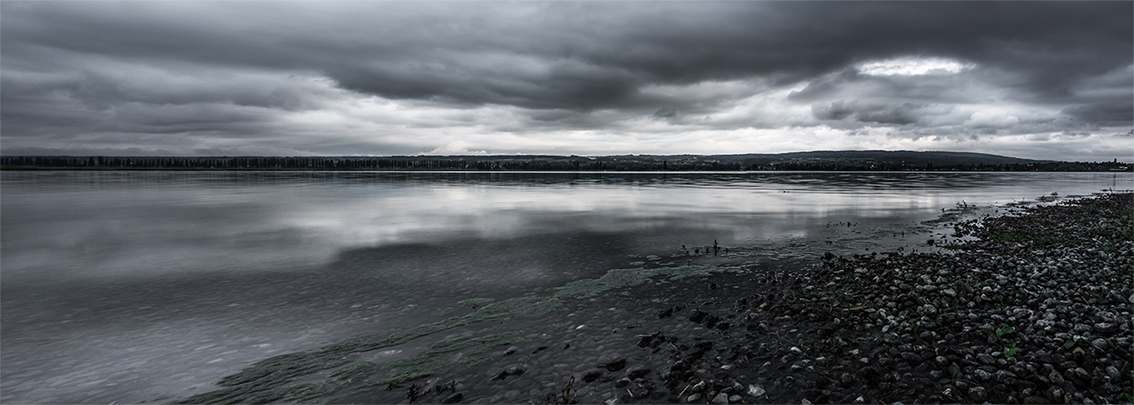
(1033, 306)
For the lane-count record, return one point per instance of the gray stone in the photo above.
(978, 394)
(693, 398)
(982, 375)
(1055, 394)
(1004, 376)
(911, 357)
(1113, 372)
(721, 398)
(1106, 327)
(755, 390)
(735, 398)
(1080, 373)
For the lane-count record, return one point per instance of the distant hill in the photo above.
(848, 159)
(817, 160)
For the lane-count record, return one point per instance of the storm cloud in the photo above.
(566, 77)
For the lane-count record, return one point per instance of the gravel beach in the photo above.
(1031, 306)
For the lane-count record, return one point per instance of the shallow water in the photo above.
(136, 286)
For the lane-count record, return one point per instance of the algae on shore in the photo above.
(273, 379)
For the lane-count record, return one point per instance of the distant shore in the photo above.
(800, 161)
(1033, 307)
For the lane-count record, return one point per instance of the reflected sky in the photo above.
(100, 224)
(127, 286)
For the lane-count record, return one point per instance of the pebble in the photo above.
(978, 394)
(756, 390)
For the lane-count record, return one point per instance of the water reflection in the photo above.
(125, 286)
(81, 225)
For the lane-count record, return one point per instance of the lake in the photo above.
(151, 286)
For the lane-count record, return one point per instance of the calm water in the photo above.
(136, 286)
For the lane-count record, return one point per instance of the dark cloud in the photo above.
(586, 55)
(230, 68)
(896, 114)
(665, 112)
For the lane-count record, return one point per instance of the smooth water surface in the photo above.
(141, 286)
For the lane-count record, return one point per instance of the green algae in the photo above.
(440, 355)
(271, 380)
(619, 278)
(475, 303)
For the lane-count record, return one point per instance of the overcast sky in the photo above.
(1046, 80)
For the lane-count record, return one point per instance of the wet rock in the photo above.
(453, 399)
(693, 399)
(591, 376)
(721, 398)
(615, 365)
(637, 372)
(500, 374)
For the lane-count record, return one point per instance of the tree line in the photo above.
(531, 163)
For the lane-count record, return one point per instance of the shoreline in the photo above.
(788, 330)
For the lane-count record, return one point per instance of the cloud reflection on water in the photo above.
(77, 225)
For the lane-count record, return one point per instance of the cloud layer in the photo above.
(1051, 80)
